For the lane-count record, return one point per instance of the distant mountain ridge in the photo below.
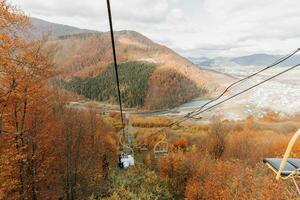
(250, 60)
(40, 27)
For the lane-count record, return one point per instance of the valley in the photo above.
(210, 78)
(279, 95)
(62, 135)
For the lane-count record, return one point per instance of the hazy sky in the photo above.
(191, 27)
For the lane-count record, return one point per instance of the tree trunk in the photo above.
(19, 146)
(32, 159)
(33, 172)
(78, 144)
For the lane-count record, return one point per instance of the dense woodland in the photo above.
(50, 151)
(137, 86)
(134, 84)
(171, 89)
(79, 35)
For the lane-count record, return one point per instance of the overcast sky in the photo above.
(191, 27)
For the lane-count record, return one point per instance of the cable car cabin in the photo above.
(126, 160)
(161, 148)
(286, 168)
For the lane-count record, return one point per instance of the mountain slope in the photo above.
(89, 55)
(174, 80)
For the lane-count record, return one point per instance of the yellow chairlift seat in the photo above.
(161, 148)
(286, 167)
(144, 148)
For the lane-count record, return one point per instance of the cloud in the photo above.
(211, 27)
(146, 11)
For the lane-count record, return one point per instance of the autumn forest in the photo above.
(51, 150)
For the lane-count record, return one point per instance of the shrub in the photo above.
(219, 131)
(137, 182)
(180, 144)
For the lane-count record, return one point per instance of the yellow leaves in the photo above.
(122, 194)
(109, 140)
(181, 143)
(116, 123)
(271, 117)
(23, 65)
(11, 15)
(8, 166)
(193, 189)
(4, 37)
(25, 68)
(149, 122)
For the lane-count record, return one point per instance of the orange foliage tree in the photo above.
(25, 66)
(47, 150)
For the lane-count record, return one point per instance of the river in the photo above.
(279, 95)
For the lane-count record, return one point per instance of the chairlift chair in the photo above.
(286, 168)
(161, 148)
(144, 148)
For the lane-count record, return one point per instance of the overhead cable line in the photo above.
(198, 111)
(235, 95)
(225, 100)
(115, 61)
(244, 79)
(250, 88)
